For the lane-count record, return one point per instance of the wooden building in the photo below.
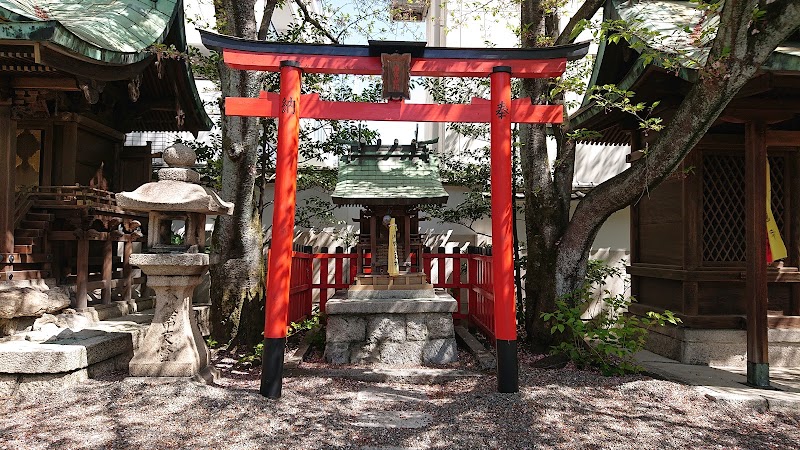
(389, 181)
(688, 235)
(74, 78)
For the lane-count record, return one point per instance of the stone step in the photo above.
(59, 358)
(386, 375)
(36, 224)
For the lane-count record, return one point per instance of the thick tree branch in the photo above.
(780, 16)
(266, 19)
(587, 10)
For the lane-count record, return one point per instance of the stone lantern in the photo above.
(173, 345)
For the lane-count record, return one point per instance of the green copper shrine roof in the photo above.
(389, 175)
(108, 31)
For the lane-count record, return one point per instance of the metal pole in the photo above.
(502, 232)
(280, 255)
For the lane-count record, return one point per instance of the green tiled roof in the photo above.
(376, 178)
(104, 30)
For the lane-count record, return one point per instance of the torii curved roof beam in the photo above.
(247, 54)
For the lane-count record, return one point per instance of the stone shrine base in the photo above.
(722, 347)
(390, 331)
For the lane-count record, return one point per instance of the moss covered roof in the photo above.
(389, 175)
(109, 31)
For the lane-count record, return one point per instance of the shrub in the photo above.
(609, 340)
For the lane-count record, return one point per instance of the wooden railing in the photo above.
(55, 196)
(467, 277)
(22, 204)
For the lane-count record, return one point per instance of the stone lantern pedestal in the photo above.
(173, 345)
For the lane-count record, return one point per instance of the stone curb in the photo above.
(720, 385)
(485, 359)
(379, 375)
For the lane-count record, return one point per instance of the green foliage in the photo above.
(211, 343)
(313, 328)
(176, 239)
(610, 96)
(609, 340)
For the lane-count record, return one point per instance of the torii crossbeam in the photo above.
(291, 60)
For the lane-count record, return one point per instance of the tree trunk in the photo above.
(237, 284)
(544, 215)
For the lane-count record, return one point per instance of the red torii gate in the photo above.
(289, 106)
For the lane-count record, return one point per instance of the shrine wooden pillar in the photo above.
(505, 316)
(8, 162)
(108, 267)
(280, 255)
(756, 240)
(82, 273)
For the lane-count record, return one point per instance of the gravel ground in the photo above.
(563, 409)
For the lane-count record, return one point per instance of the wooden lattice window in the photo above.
(723, 205)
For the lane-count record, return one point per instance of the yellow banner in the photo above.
(394, 266)
(777, 249)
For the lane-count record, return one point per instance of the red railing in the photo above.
(481, 294)
(300, 295)
(439, 265)
(341, 280)
(467, 277)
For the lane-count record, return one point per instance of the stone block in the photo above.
(115, 309)
(8, 384)
(409, 352)
(440, 351)
(440, 326)
(15, 325)
(337, 352)
(75, 322)
(179, 174)
(202, 314)
(31, 301)
(382, 328)
(37, 384)
(369, 292)
(364, 353)
(101, 368)
(345, 329)
(29, 357)
(416, 327)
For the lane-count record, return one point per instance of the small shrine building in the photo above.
(389, 181)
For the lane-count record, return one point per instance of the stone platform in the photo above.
(52, 356)
(398, 324)
(725, 347)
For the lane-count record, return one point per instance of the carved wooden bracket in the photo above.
(134, 88)
(91, 89)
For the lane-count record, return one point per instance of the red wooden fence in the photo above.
(300, 294)
(469, 281)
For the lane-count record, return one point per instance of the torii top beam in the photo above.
(247, 54)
